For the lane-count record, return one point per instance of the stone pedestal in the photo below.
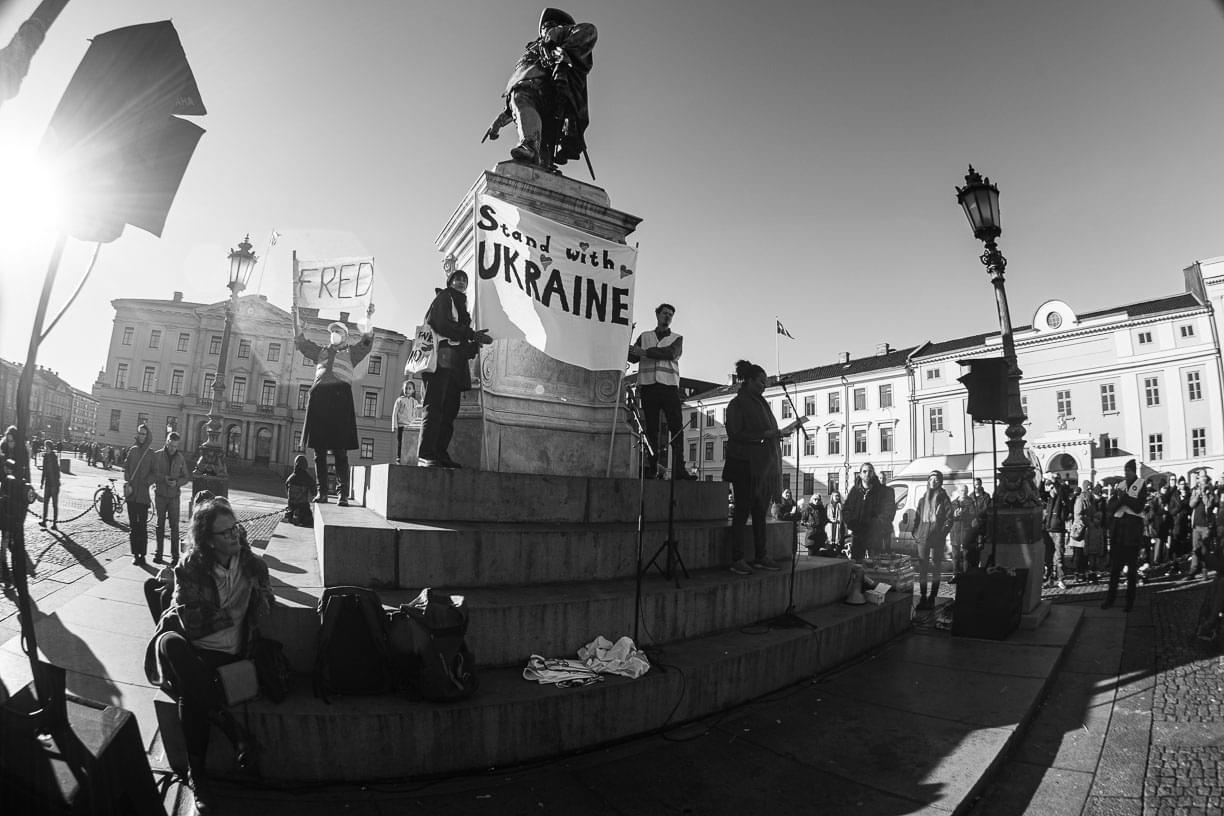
(528, 412)
(1022, 546)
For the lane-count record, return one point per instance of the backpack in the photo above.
(429, 657)
(352, 651)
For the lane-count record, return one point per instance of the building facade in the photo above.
(1143, 381)
(58, 411)
(162, 361)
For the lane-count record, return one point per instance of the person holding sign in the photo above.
(754, 464)
(458, 342)
(331, 422)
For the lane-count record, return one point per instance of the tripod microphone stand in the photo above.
(670, 544)
(645, 453)
(789, 619)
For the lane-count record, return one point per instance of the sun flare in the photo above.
(31, 194)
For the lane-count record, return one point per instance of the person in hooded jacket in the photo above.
(458, 343)
(932, 521)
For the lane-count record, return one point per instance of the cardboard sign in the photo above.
(333, 286)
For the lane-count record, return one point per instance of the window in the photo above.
(297, 440)
(786, 481)
(1187, 330)
(860, 399)
(214, 345)
(367, 447)
(116, 415)
(155, 338)
(142, 419)
(303, 395)
(788, 448)
(709, 451)
(934, 374)
(860, 440)
(306, 361)
(244, 349)
(809, 445)
(274, 352)
(150, 377)
(1151, 390)
(786, 409)
(886, 396)
(176, 382)
(935, 417)
(375, 366)
(121, 375)
(710, 418)
(267, 394)
(834, 402)
(239, 392)
(171, 424)
(1194, 386)
(184, 340)
(692, 452)
(128, 331)
(1145, 338)
(1111, 445)
(833, 480)
(1198, 442)
(370, 404)
(1155, 447)
(1024, 406)
(886, 440)
(693, 419)
(834, 447)
(1063, 400)
(809, 405)
(1109, 402)
(209, 380)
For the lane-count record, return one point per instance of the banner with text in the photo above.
(565, 292)
(333, 286)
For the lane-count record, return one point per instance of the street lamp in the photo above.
(210, 471)
(1016, 500)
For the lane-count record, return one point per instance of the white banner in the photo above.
(565, 292)
(333, 286)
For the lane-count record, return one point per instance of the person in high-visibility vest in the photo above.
(657, 354)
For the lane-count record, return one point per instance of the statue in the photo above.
(546, 96)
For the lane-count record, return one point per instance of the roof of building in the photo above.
(1172, 303)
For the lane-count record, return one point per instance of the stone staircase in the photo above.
(545, 564)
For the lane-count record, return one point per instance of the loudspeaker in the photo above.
(988, 603)
(93, 764)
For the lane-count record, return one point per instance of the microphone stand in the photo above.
(790, 619)
(646, 453)
(670, 544)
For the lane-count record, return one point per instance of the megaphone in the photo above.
(854, 587)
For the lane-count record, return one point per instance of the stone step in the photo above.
(509, 623)
(511, 720)
(358, 547)
(409, 493)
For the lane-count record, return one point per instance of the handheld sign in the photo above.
(336, 285)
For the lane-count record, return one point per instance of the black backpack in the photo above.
(352, 653)
(430, 658)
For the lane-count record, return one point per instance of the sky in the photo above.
(789, 160)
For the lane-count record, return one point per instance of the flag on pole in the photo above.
(782, 330)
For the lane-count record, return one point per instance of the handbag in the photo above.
(423, 358)
(128, 490)
(239, 681)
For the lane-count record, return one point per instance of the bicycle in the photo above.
(109, 501)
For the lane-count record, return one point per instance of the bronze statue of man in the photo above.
(546, 96)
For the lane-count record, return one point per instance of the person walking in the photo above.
(753, 465)
(49, 483)
(1126, 509)
(868, 513)
(170, 473)
(932, 520)
(138, 478)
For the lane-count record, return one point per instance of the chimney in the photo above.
(882, 349)
(178, 297)
(731, 378)
(843, 357)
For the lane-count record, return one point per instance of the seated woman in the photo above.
(299, 489)
(221, 590)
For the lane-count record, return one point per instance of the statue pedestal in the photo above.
(529, 413)
(1022, 546)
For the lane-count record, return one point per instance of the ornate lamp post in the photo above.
(1018, 527)
(210, 471)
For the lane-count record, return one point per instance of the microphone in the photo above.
(784, 381)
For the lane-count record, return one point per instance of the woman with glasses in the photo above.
(220, 591)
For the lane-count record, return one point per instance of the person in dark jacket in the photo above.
(50, 484)
(458, 343)
(331, 421)
(299, 487)
(815, 518)
(1054, 524)
(138, 476)
(932, 521)
(1126, 510)
(868, 513)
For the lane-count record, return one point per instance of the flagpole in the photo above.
(777, 347)
(263, 264)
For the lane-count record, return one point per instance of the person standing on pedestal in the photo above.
(170, 473)
(1126, 509)
(138, 477)
(331, 422)
(407, 411)
(546, 95)
(657, 354)
(458, 343)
